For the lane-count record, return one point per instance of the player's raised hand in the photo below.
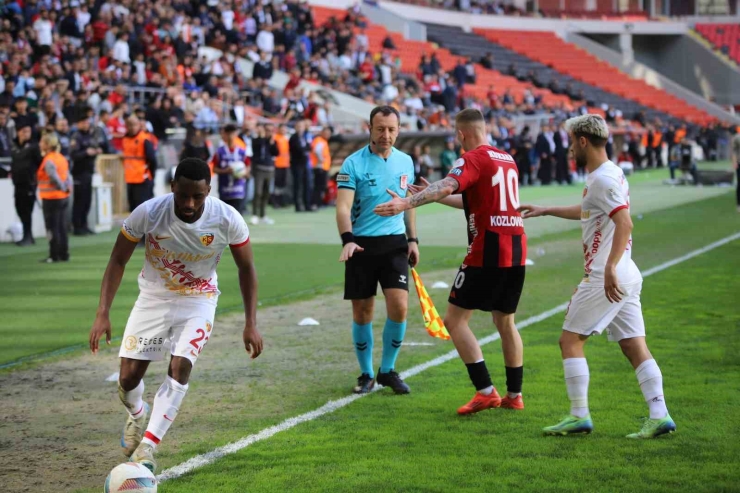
(611, 285)
(393, 207)
(414, 189)
(252, 341)
(528, 211)
(100, 326)
(348, 250)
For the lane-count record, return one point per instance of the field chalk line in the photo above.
(203, 460)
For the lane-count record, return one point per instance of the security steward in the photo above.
(55, 182)
(139, 163)
(321, 163)
(87, 143)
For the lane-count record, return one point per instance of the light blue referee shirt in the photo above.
(369, 175)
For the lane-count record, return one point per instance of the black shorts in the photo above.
(488, 288)
(363, 272)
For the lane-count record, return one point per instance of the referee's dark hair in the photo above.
(385, 110)
(194, 169)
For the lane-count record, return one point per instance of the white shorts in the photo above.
(182, 326)
(590, 312)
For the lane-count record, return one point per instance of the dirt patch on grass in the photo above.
(60, 423)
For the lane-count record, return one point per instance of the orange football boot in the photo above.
(481, 402)
(515, 403)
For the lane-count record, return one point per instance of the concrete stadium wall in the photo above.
(562, 26)
(690, 64)
(652, 70)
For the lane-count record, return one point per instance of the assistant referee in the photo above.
(377, 249)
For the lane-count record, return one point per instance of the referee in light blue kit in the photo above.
(377, 249)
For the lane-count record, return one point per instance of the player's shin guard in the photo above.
(514, 377)
(362, 336)
(132, 399)
(392, 339)
(166, 405)
(651, 383)
(576, 380)
(478, 373)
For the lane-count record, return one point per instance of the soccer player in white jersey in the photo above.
(608, 297)
(186, 233)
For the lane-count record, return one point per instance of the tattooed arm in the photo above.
(434, 192)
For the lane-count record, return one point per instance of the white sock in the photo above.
(487, 391)
(576, 380)
(651, 384)
(513, 395)
(133, 399)
(166, 404)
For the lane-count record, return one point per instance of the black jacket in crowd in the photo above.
(82, 162)
(25, 163)
(264, 152)
(299, 148)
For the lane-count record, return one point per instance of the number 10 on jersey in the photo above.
(509, 187)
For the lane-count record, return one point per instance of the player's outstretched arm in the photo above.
(345, 197)
(454, 201)
(248, 285)
(122, 251)
(433, 193)
(571, 212)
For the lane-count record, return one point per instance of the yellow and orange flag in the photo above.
(432, 321)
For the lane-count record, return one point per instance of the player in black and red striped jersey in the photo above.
(484, 183)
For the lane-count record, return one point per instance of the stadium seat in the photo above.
(723, 37)
(550, 50)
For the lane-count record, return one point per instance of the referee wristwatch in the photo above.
(413, 240)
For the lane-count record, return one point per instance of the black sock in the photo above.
(514, 377)
(479, 375)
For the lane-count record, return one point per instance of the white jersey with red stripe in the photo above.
(181, 258)
(606, 193)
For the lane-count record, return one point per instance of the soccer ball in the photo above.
(238, 169)
(130, 476)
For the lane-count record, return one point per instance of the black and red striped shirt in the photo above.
(489, 183)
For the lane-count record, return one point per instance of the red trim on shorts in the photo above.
(240, 244)
(151, 437)
(625, 206)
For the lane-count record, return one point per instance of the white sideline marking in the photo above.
(417, 344)
(203, 460)
(113, 377)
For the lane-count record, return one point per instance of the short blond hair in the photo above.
(51, 140)
(592, 127)
(469, 116)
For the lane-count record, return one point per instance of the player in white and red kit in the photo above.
(485, 184)
(608, 297)
(186, 233)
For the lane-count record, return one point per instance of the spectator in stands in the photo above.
(299, 148)
(487, 61)
(62, 130)
(26, 159)
(545, 149)
(6, 145)
(264, 152)
(263, 68)
(388, 43)
(86, 144)
(55, 183)
(562, 171)
(448, 157)
(735, 159)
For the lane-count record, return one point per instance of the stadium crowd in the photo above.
(80, 69)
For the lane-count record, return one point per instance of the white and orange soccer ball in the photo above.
(130, 477)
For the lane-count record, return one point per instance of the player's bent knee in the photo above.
(129, 382)
(180, 369)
